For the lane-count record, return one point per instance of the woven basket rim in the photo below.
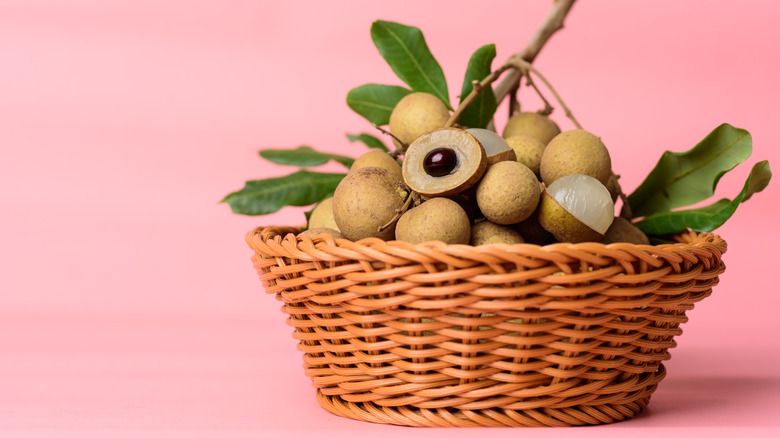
(290, 237)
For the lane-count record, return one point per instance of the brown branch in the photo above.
(513, 65)
(514, 104)
(519, 63)
(552, 24)
(548, 109)
(475, 91)
(524, 66)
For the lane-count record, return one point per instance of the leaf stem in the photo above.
(399, 150)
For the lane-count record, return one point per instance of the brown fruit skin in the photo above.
(622, 230)
(378, 158)
(508, 155)
(528, 150)
(531, 124)
(322, 215)
(613, 187)
(467, 203)
(562, 224)
(508, 193)
(415, 114)
(365, 200)
(486, 232)
(575, 152)
(439, 219)
(531, 230)
(312, 232)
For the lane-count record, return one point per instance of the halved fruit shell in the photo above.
(471, 162)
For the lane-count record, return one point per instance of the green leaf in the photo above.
(369, 140)
(681, 179)
(479, 113)
(375, 102)
(269, 195)
(404, 48)
(712, 216)
(759, 178)
(303, 156)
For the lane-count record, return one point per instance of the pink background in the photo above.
(128, 305)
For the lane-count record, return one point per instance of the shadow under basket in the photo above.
(498, 335)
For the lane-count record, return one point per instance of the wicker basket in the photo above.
(498, 335)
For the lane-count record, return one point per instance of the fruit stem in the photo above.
(399, 150)
(548, 109)
(625, 210)
(409, 198)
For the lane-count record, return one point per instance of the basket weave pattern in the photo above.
(499, 335)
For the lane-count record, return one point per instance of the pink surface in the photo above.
(128, 305)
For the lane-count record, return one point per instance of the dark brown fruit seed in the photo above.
(440, 162)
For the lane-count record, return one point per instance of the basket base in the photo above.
(582, 415)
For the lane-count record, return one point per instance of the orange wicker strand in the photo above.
(498, 335)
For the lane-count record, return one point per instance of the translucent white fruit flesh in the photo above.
(492, 142)
(586, 199)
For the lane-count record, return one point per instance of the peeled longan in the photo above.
(576, 208)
